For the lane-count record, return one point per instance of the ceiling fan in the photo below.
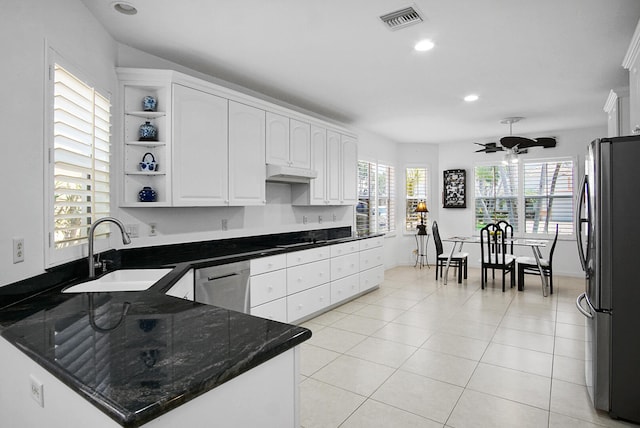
(514, 144)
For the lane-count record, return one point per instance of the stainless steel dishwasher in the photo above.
(225, 285)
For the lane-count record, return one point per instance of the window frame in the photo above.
(374, 198)
(521, 230)
(56, 256)
(427, 198)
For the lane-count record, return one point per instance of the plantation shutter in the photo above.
(548, 196)
(386, 195)
(81, 148)
(416, 186)
(496, 195)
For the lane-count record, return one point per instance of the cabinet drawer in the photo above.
(307, 256)
(268, 286)
(268, 264)
(368, 243)
(344, 248)
(302, 277)
(372, 277)
(371, 258)
(344, 266)
(344, 288)
(307, 302)
(275, 310)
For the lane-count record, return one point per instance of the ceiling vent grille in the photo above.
(401, 18)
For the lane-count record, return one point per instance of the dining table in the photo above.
(534, 244)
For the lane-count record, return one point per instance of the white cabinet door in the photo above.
(317, 187)
(247, 172)
(307, 302)
(334, 167)
(309, 275)
(349, 171)
(200, 171)
(345, 265)
(300, 144)
(277, 145)
(267, 287)
(370, 278)
(275, 310)
(371, 258)
(634, 98)
(344, 288)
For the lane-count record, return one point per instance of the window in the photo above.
(416, 186)
(548, 196)
(375, 211)
(533, 196)
(79, 159)
(496, 190)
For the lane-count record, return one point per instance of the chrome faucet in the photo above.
(125, 240)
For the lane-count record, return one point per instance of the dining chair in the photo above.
(458, 259)
(494, 255)
(507, 230)
(528, 265)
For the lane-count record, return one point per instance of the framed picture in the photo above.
(454, 195)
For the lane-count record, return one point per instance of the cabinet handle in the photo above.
(269, 288)
(299, 279)
(299, 307)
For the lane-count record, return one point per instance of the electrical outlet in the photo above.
(304, 219)
(133, 230)
(37, 390)
(153, 229)
(18, 250)
(320, 219)
(225, 224)
(334, 216)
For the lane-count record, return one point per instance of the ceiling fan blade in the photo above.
(546, 142)
(512, 141)
(489, 147)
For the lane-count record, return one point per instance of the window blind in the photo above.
(416, 186)
(386, 213)
(81, 149)
(363, 213)
(496, 195)
(548, 196)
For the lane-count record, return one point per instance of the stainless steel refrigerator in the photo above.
(608, 232)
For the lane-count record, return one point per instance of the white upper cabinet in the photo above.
(247, 171)
(277, 139)
(288, 141)
(632, 63)
(349, 190)
(334, 157)
(617, 109)
(300, 144)
(200, 173)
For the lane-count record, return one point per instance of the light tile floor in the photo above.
(417, 353)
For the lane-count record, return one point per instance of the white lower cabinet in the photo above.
(275, 310)
(267, 287)
(371, 278)
(184, 288)
(344, 288)
(306, 302)
(371, 258)
(305, 276)
(344, 266)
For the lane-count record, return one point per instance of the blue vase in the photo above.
(148, 132)
(149, 103)
(147, 194)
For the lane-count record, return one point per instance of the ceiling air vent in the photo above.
(401, 18)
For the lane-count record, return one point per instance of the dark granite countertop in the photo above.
(138, 355)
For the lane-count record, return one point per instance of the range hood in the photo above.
(289, 174)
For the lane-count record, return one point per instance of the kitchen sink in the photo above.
(121, 280)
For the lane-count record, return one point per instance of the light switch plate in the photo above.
(37, 390)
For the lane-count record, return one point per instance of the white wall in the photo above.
(26, 26)
(462, 155)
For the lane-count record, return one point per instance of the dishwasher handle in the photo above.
(214, 278)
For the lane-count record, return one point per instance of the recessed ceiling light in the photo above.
(424, 45)
(125, 8)
(471, 98)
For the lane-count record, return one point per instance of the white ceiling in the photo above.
(551, 61)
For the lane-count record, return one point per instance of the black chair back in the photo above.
(436, 238)
(553, 246)
(492, 245)
(507, 231)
